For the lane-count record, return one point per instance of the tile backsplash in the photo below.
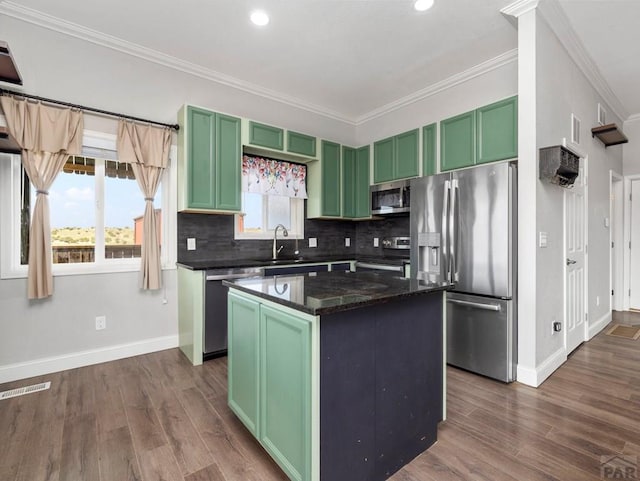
(214, 238)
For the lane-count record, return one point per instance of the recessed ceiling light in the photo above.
(260, 18)
(422, 5)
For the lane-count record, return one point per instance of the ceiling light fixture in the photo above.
(260, 18)
(422, 5)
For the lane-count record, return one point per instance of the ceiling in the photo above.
(345, 58)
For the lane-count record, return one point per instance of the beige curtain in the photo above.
(146, 148)
(47, 136)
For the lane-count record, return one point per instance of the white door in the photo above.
(634, 276)
(617, 241)
(575, 272)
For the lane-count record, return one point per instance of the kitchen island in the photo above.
(339, 375)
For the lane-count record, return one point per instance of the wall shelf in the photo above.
(609, 135)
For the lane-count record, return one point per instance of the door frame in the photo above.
(627, 238)
(616, 211)
(584, 159)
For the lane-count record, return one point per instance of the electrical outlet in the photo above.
(556, 327)
(376, 242)
(347, 241)
(313, 242)
(597, 300)
(101, 323)
(191, 243)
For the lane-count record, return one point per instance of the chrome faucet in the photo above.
(285, 233)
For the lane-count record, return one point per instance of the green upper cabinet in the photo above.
(330, 163)
(486, 134)
(497, 131)
(228, 163)
(243, 359)
(362, 199)
(301, 144)
(383, 158)
(348, 182)
(285, 391)
(429, 149)
(406, 154)
(457, 141)
(266, 136)
(209, 154)
(396, 157)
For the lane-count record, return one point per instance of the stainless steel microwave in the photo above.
(390, 198)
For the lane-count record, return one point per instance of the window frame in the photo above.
(296, 219)
(10, 267)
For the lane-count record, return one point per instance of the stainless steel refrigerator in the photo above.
(464, 229)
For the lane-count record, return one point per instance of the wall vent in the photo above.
(21, 391)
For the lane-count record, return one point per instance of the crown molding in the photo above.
(461, 77)
(633, 118)
(71, 29)
(557, 19)
(519, 7)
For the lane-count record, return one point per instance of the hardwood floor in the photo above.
(155, 417)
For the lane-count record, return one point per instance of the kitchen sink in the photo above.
(282, 261)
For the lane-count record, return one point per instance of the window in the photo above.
(262, 213)
(96, 210)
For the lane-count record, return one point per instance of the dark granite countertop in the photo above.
(327, 292)
(204, 265)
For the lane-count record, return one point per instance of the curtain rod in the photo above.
(175, 127)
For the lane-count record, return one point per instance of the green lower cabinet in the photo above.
(285, 391)
(497, 131)
(243, 359)
(457, 141)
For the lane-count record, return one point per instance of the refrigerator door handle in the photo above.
(476, 305)
(445, 229)
(453, 230)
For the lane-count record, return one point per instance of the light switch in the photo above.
(606, 222)
(542, 241)
(313, 242)
(191, 243)
(347, 242)
(376, 242)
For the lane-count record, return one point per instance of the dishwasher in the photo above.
(215, 308)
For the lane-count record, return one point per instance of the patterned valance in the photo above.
(273, 177)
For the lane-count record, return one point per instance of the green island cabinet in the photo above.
(323, 183)
(270, 379)
(396, 157)
(355, 183)
(279, 141)
(487, 134)
(347, 395)
(209, 156)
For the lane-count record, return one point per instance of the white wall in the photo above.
(562, 89)
(60, 331)
(476, 92)
(631, 150)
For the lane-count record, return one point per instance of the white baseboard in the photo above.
(535, 377)
(599, 325)
(38, 367)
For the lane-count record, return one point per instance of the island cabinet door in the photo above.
(285, 389)
(243, 358)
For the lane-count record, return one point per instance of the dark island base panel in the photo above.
(379, 406)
